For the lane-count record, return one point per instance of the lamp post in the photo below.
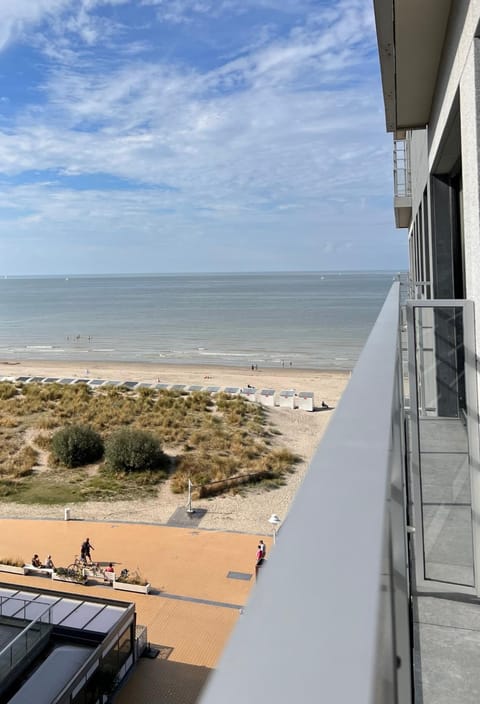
(275, 521)
(189, 502)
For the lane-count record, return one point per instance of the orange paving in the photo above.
(177, 561)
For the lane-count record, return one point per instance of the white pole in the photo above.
(274, 521)
(189, 504)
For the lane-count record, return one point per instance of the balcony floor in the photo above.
(447, 631)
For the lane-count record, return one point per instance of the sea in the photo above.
(308, 320)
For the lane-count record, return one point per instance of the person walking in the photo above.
(263, 548)
(259, 559)
(85, 550)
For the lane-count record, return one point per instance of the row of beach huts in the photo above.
(288, 398)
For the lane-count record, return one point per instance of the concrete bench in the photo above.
(39, 571)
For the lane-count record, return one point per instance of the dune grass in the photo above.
(209, 439)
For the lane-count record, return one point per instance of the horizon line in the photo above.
(200, 273)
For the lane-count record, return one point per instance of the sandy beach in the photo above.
(300, 430)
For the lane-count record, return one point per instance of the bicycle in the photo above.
(78, 568)
(95, 569)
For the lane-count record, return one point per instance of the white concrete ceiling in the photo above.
(410, 36)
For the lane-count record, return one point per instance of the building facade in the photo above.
(430, 64)
(58, 648)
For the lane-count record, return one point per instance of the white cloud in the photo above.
(52, 24)
(176, 11)
(281, 137)
(18, 15)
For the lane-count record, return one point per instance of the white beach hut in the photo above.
(231, 390)
(266, 397)
(212, 389)
(287, 398)
(305, 400)
(249, 392)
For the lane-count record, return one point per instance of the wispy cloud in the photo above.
(279, 132)
(20, 16)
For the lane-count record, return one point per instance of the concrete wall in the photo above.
(470, 123)
(419, 166)
(463, 22)
(458, 88)
(458, 77)
(458, 84)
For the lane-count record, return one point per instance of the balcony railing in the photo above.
(444, 457)
(328, 620)
(28, 638)
(402, 182)
(401, 168)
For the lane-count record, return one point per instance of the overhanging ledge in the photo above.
(410, 35)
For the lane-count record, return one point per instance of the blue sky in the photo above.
(193, 135)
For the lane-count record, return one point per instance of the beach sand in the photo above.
(300, 431)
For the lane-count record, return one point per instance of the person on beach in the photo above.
(325, 405)
(263, 548)
(49, 563)
(85, 550)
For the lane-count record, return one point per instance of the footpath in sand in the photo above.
(300, 431)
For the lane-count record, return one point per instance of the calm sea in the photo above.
(308, 320)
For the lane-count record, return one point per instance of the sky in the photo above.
(193, 136)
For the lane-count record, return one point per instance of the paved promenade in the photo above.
(195, 603)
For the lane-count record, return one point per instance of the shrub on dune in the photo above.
(7, 391)
(132, 450)
(77, 445)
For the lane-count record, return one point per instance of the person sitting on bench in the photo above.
(108, 572)
(36, 561)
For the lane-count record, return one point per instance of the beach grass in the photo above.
(221, 443)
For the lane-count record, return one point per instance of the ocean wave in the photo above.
(39, 347)
(271, 317)
(206, 353)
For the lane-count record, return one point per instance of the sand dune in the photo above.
(301, 432)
